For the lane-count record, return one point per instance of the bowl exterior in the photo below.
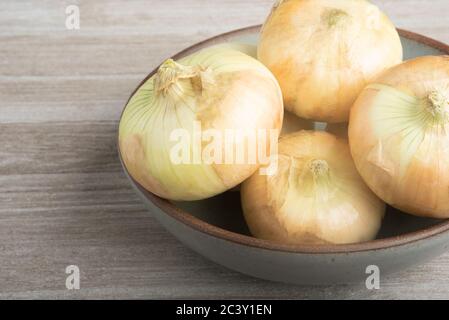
(305, 268)
(301, 268)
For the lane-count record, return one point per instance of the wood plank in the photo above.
(63, 197)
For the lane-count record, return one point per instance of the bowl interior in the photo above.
(222, 216)
(224, 211)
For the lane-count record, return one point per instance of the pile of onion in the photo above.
(316, 195)
(218, 88)
(399, 136)
(328, 61)
(323, 53)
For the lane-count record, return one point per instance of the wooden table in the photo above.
(63, 197)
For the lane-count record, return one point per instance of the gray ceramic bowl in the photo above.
(215, 228)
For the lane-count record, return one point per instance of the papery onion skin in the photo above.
(316, 196)
(290, 124)
(232, 92)
(323, 52)
(399, 136)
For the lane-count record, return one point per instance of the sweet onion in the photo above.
(323, 53)
(316, 196)
(399, 136)
(217, 90)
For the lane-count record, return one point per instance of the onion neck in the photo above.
(316, 181)
(333, 17)
(319, 169)
(174, 80)
(438, 106)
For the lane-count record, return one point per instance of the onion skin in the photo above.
(291, 124)
(399, 136)
(323, 53)
(232, 92)
(316, 197)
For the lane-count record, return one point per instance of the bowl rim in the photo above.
(201, 226)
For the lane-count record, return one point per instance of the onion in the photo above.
(323, 53)
(290, 124)
(316, 196)
(399, 136)
(218, 89)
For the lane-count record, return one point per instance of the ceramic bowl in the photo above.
(215, 227)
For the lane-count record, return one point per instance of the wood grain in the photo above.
(63, 197)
